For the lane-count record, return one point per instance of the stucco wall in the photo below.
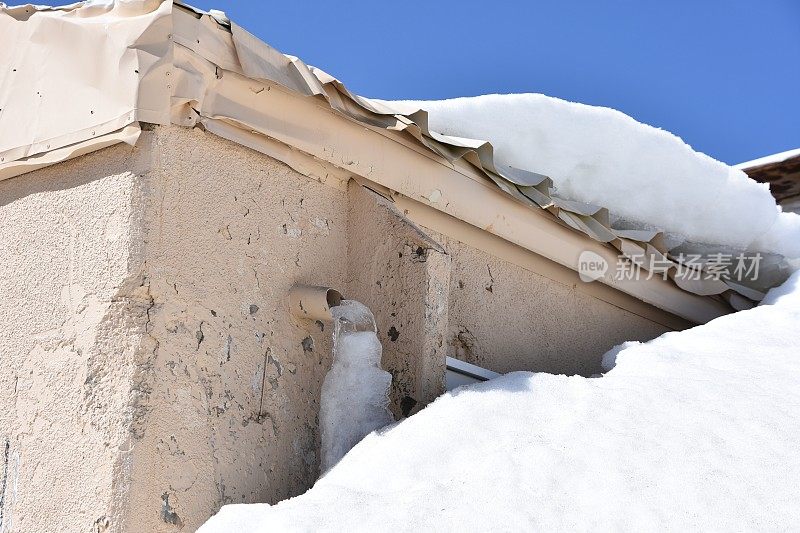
(72, 319)
(231, 416)
(151, 371)
(403, 276)
(505, 318)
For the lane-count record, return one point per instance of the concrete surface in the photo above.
(403, 276)
(506, 318)
(151, 371)
(73, 340)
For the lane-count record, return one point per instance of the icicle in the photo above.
(355, 393)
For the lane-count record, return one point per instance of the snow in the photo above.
(604, 157)
(787, 294)
(783, 238)
(768, 160)
(694, 430)
(355, 393)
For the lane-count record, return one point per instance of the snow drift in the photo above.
(604, 157)
(694, 430)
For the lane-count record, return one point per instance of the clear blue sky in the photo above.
(722, 74)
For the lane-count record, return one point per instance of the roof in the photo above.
(781, 157)
(168, 63)
(781, 171)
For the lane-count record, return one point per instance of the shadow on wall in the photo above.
(74, 173)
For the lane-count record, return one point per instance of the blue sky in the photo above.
(722, 74)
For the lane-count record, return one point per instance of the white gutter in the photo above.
(462, 373)
(468, 369)
(769, 159)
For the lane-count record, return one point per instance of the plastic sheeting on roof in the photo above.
(106, 66)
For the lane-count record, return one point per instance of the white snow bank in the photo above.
(783, 238)
(787, 294)
(604, 157)
(696, 430)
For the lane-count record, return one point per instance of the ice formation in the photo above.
(355, 393)
(640, 173)
(695, 430)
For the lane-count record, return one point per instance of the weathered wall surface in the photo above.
(151, 371)
(403, 276)
(505, 318)
(232, 410)
(231, 416)
(72, 334)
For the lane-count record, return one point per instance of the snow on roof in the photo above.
(769, 160)
(782, 173)
(603, 157)
(177, 65)
(695, 430)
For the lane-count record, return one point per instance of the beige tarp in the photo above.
(81, 77)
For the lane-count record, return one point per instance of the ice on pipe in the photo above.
(696, 430)
(355, 392)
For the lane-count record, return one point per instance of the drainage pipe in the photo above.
(313, 303)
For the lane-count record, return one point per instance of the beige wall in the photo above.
(403, 276)
(234, 388)
(506, 318)
(150, 369)
(72, 319)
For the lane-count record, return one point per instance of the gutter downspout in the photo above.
(313, 302)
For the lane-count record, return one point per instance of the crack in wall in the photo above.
(263, 383)
(4, 479)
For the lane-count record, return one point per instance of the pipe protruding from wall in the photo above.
(312, 302)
